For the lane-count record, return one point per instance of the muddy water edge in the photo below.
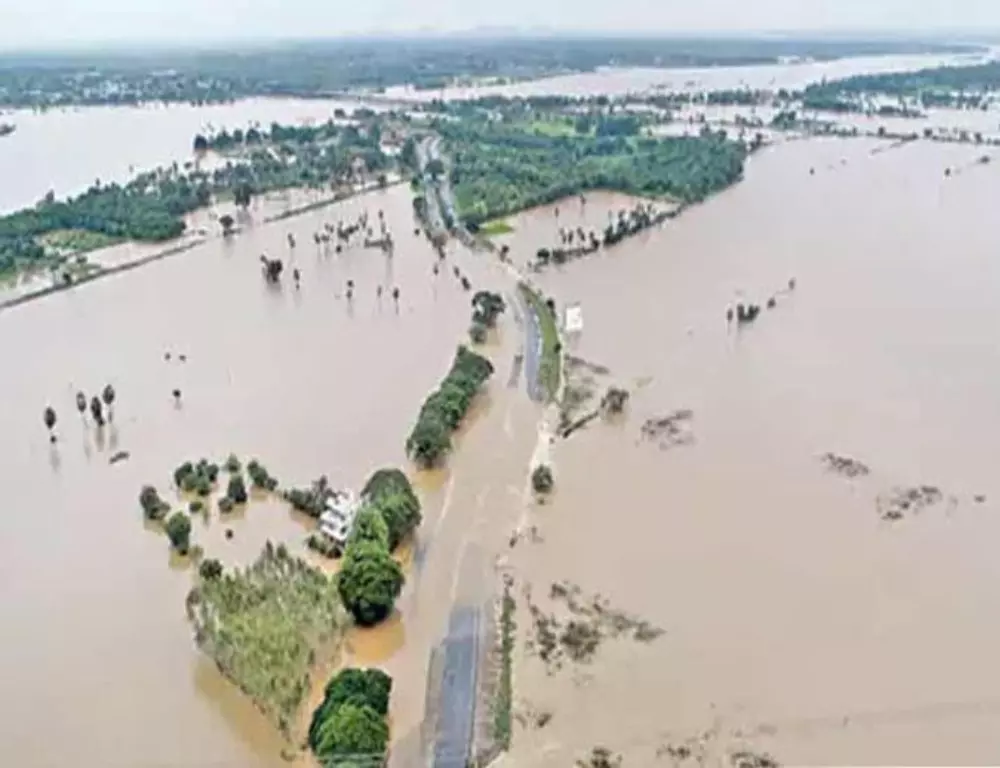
(797, 620)
(98, 648)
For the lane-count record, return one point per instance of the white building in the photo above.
(338, 518)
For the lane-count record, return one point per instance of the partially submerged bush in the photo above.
(153, 507)
(615, 400)
(259, 476)
(232, 463)
(331, 733)
(210, 569)
(179, 532)
(236, 491)
(196, 478)
(226, 505)
(477, 333)
(541, 479)
(390, 492)
(312, 500)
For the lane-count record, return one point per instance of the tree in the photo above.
(227, 223)
(178, 530)
(200, 143)
(359, 687)
(435, 168)
(352, 730)
(108, 396)
(477, 333)
(541, 479)
(236, 490)
(486, 307)
(429, 441)
(81, 404)
(153, 507)
(369, 526)
(96, 410)
(50, 421)
(369, 582)
(615, 399)
(242, 194)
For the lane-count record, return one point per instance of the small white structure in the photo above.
(338, 518)
(573, 319)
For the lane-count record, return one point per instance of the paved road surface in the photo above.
(458, 690)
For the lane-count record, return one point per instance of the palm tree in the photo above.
(81, 404)
(108, 396)
(50, 422)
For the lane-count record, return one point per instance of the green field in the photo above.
(495, 228)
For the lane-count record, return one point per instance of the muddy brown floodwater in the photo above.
(797, 621)
(97, 648)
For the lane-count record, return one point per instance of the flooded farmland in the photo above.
(97, 643)
(819, 614)
(797, 619)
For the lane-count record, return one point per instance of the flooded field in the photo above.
(97, 645)
(65, 150)
(798, 620)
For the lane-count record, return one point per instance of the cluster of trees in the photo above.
(964, 87)
(486, 308)
(259, 476)
(349, 727)
(370, 580)
(499, 168)
(196, 477)
(444, 409)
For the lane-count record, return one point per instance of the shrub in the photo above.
(541, 479)
(360, 687)
(312, 500)
(196, 506)
(351, 730)
(226, 505)
(477, 333)
(210, 569)
(236, 491)
(179, 532)
(259, 476)
(369, 582)
(232, 463)
(153, 507)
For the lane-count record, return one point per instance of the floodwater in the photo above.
(616, 81)
(66, 150)
(97, 646)
(797, 621)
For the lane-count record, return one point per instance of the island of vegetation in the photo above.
(445, 408)
(151, 207)
(550, 364)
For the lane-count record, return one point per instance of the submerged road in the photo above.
(453, 743)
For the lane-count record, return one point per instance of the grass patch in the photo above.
(505, 696)
(553, 127)
(65, 241)
(549, 367)
(265, 626)
(495, 228)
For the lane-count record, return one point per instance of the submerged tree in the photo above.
(178, 530)
(227, 223)
(108, 396)
(50, 422)
(96, 410)
(81, 404)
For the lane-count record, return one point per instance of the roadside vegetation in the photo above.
(444, 409)
(550, 364)
(264, 626)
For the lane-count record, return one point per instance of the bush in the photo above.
(232, 464)
(259, 476)
(210, 569)
(615, 399)
(179, 532)
(477, 333)
(351, 730)
(390, 492)
(226, 505)
(360, 687)
(236, 491)
(153, 507)
(312, 500)
(542, 480)
(369, 582)
(196, 506)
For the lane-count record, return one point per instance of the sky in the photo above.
(33, 23)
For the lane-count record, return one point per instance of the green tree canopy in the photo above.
(369, 582)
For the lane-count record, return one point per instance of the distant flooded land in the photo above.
(507, 401)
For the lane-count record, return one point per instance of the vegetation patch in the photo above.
(900, 502)
(73, 241)
(388, 492)
(444, 409)
(550, 365)
(542, 480)
(505, 695)
(196, 477)
(264, 627)
(486, 309)
(671, 430)
(844, 465)
(153, 507)
(259, 476)
(496, 228)
(349, 727)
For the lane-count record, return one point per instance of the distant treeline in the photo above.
(321, 68)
